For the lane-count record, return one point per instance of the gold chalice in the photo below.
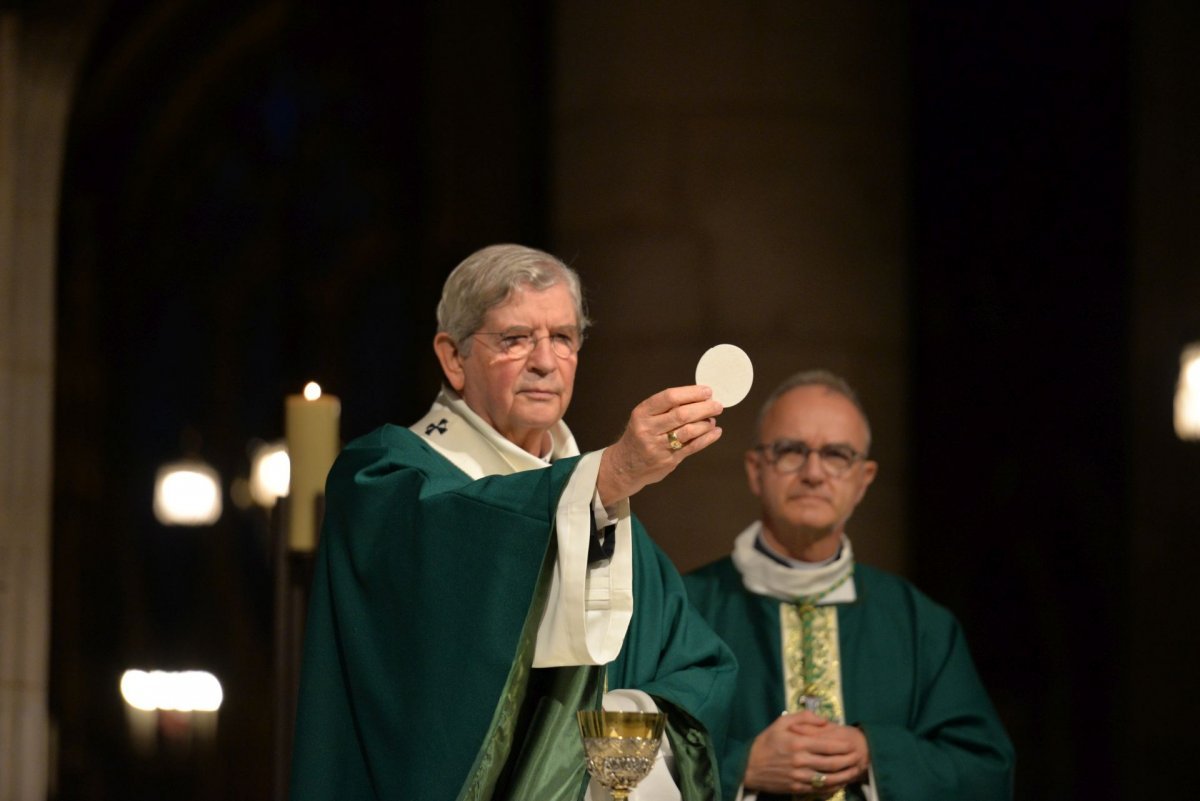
(620, 746)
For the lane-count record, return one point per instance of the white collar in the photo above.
(475, 447)
(763, 575)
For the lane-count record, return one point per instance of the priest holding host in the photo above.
(478, 580)
(852, 684)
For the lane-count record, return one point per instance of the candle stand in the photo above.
(293, 570)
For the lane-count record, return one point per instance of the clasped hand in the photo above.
(796, 748)
(643, 455)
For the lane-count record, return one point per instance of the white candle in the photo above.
(313, 443)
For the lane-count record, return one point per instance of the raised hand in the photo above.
(662, 431)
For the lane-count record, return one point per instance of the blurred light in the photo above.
(312, 391)
(179, 691)
(270, 473)
(1187, 394)
(187, 493)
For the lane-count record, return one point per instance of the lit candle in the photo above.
(313, 442)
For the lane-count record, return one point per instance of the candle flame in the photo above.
(312, 391)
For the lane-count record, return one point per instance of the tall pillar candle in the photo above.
(313, 443)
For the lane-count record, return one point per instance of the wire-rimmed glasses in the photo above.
(518, 343)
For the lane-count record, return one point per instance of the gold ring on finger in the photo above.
(818, 781)
(674, 441)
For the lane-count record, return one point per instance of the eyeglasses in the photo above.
(518, 343)
(790, 456)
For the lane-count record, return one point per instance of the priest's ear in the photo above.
(754, 473)
(451, 358)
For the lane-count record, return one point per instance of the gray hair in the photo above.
(814, 378)
(489, 276)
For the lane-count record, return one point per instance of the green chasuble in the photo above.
(427, 593)
(907, 679)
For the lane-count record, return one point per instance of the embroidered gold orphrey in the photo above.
(812, 664)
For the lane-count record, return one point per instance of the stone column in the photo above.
(37, 73)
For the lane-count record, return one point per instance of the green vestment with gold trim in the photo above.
(427, 592)
(907, 679)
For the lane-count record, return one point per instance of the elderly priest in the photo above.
(478, 580)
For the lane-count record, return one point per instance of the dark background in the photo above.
(1021, 300)
(255, 198)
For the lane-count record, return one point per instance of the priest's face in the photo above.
(521, 391)
(805, 510)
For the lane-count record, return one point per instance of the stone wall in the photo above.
(37, 72)
(736, 172)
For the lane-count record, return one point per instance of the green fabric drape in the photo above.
(417, 679)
